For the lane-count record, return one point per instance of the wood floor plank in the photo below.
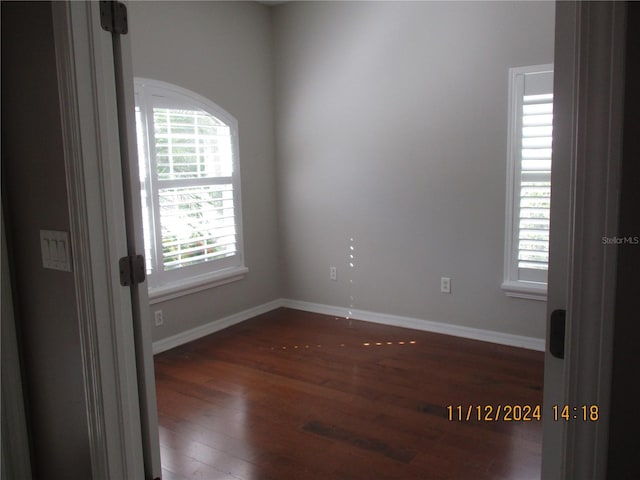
(296, 395)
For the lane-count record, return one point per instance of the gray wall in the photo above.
(386, 123)
(392, 130)
(222, 51)
(34, 198)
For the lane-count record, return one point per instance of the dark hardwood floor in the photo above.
(296, 395)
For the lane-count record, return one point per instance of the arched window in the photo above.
(190, 189)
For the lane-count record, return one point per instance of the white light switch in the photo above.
(445, 285)
(55, 249)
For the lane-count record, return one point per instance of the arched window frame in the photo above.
(166, 283)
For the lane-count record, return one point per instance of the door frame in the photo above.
(94, 181)
(14, 437)
(86, 84)
(598, 127)
(588, 93)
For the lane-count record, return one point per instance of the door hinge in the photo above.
(557, 327)
(132, 270)
(113, 17)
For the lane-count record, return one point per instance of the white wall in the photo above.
(222, 51)
(391, 130)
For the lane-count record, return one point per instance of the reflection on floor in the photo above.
(295, 395)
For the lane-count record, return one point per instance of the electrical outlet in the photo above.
(445, 285)
(333, 273)
(158, 318)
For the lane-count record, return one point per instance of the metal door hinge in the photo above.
(113, 17)
(132, 270)
(557, 327)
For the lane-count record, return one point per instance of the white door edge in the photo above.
(592, 292)
(590, 43)
(89, 122)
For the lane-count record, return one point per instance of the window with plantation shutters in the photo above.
(528, 181)
(190, 189)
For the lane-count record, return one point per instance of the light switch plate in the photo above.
(55, 250)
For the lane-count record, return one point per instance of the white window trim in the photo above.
(196, 284)
(511, 285)
(189, 283)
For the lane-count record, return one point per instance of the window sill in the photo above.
(528, 290)
(196, 284)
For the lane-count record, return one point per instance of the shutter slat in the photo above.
(201, 248)
(539, 98)
(185, 262)
(535, 184)
(230, 231)
(532, 265)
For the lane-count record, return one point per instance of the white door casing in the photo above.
(89, 114)
(588, 96)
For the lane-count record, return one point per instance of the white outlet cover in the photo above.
(333, 273)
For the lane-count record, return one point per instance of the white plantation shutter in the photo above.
(198, 224)
(535, 186)
(529, 180)
(190, 186)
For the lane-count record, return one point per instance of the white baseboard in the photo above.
(187, 336)
(530, 343)
(214, 326)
